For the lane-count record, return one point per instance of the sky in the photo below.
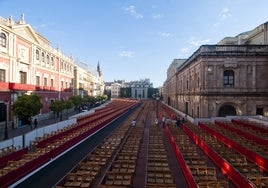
(135, 39)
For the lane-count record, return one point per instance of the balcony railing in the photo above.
(21, 87)
(52, 89)
(4, 85)
(28, 87)
(46, 88)
(67, 90)
(38, 88)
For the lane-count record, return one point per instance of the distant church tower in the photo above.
(98, 69)
(100, 80)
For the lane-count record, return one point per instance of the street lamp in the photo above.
(6, 132)
(157, 99)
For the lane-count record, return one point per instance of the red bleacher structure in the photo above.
(18, 164)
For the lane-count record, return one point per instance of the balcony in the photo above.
(46, 88)
(4, 86)
(21, 87)
(52, 89)
(38, 88)
(66, 89)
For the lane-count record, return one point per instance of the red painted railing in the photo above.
(4, 85)
(23, 87)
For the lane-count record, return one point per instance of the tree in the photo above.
(77, 101)
(68, 104)
(57, 107)
(27, 106)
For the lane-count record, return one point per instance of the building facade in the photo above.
(221, 80)
(258, 35)
(29, 64)
(87, 80)
(140, 88)
(115, 90)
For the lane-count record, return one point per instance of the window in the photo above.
(37, 80)
(43, 57)
(228, 78)
(48, 59)
(45, 81)
(23, 77)
(61, 84)
(51, 82)
(37, 55)
(3, 40)
(2, 75)
(52, 61)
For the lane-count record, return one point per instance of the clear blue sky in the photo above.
(136, 39)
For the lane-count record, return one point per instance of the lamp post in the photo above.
(6, 132)
(153, 96)
(157, 99)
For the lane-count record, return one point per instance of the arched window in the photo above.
(48, 59)
(228, 78)
(43, 57)
(37, 55)
(3, 40)
(52, 61)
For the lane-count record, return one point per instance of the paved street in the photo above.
(26, 128)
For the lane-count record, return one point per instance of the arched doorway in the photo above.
(227, 110)
(168, 101)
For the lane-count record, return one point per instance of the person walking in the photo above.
(35, 123)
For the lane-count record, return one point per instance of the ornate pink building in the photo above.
(29, 64)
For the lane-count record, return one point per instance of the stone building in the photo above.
(224, 79)
(87, 80)
(115, 89)
(140, 88)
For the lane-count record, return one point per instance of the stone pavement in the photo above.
(26, 128)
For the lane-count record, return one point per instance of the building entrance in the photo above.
(227, 110)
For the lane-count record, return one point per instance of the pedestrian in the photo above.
(30, 122)
(133, 123)
(35, 123)
(156, 121)
(163, 120)
(178, 122)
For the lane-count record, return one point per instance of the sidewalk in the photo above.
(26, 128)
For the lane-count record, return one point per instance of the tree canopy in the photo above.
(27, 106)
